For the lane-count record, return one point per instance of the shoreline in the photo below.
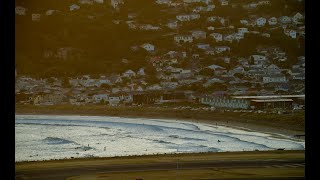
(286, 124)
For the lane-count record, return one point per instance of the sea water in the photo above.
(45, 137)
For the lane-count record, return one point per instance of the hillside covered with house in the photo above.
(121, 52)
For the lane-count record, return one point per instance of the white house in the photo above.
(259, 59)
(216, 36)
(85, 1)
(199, 34)
(285, 19)
(36, 17)
(224, 2)
(261, 21)
(114, 100)
(243, 30)
(163, 1)
(274, 79)
(20, 10)
(116, 3)
(100, 97)
(272, 21)
(228, 38)
(203, 46)
(297, 18)
(220, 49)
(129, 73)
(183, 17)
(212, 18)
(173, 24)
(291, 33)
(148, 47)
(99, 1)
(50, 12)
(244, 22)
(210, 28)
(74, 7)
(183, 38)
(141, 72)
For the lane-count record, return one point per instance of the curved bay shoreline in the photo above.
(277, 124)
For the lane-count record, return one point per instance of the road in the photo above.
(51, 173)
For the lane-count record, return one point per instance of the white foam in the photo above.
(130, 136)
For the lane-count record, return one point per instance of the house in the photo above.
(50, 12)
(222, 102)
(285, 19)
(261, 21)
(141, 72)
(74, 7)
(259, 59)
(129, 73)
(273, 69)
(199, 34)
(291, 33)
(183, 17)
(212, 81)
(163, 1)
(238, 36)
(148, 47)
(220, 49)
(274, 79)
(116, 3)
(238, 69)
(85, 1)
(194, 16)
(114, 100)
(20, 10)
(263, 2)
(154, 87)
(210, 51)
(114, 79)
(203, 46)
(272, 21)
(210, 28)
(216, 36)
(224, 2)
(212, 18)
(36, 17)
(183, 38)
(228, 38)
(267, 35)
(173, 24)
(97, 98)
(244, 22)
(99, 1)
(243, 30)
(297, 18)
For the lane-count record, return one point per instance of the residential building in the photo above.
(20, 10)
(183, 38)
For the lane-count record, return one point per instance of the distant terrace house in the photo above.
(114, 100)
(50, 12)
(188, 17)
(218, 70)
(261, 21)
(219, 102)
(238, 36)
(274, 79)
(74, 7)
(36, 17)
(216, 36)
(285, 19)
(273, 21)
(297, 18)
(197, 1)
(210, 51)
(148, 47)
(244, 22)
(273, 69)
(141, 72)
(20, 10)
(199, 34)
(259, 59)
(183, 38)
